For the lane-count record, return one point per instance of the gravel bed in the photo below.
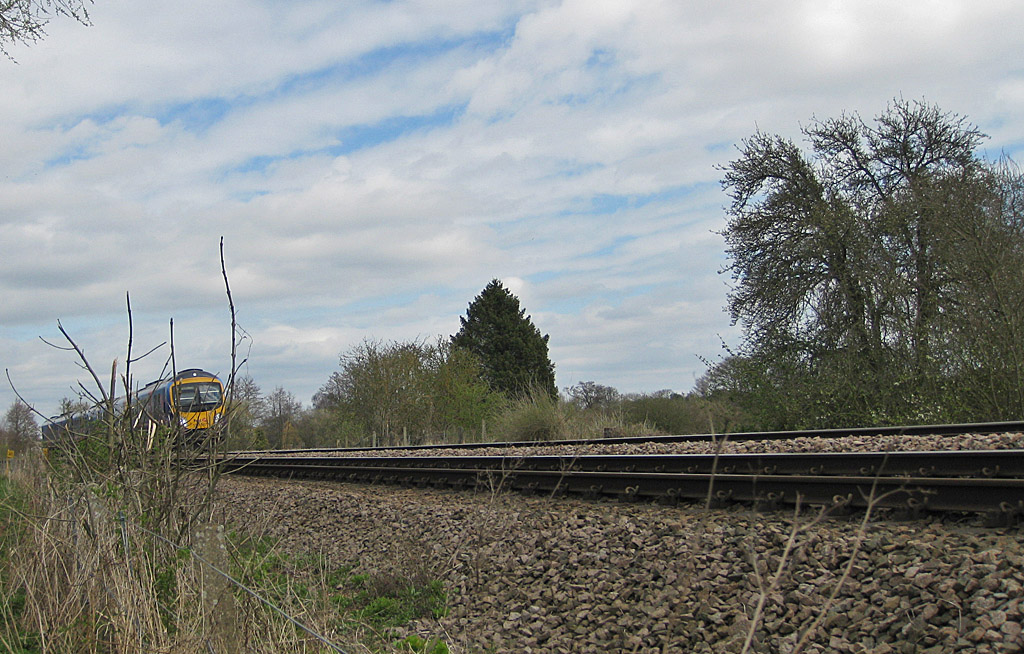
(532, 574)
(879, 443)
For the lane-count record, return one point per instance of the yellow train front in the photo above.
(192, 399)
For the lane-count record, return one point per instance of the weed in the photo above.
(420, 646)
(369, 606)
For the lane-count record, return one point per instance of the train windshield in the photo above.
(197, 396)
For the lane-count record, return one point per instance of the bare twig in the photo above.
(719, 444)
(234, 351)
(19, 396)
(780, 569)
(873, 500)
(84, 362)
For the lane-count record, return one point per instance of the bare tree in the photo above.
(20, 423)
(591, 395)
(24, 21)
(248, 411)
(282, 411)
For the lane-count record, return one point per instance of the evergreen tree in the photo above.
(513, 351)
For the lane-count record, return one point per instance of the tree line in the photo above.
(493, 380)
(387, 393)
(877, 275)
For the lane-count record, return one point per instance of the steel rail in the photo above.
(938, 494)
(980, 428)
(962, 463)
(998, 494)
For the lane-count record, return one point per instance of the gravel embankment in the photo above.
(1006, 441)
(530, 574)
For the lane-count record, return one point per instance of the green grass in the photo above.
(344, 603)
(371, 605)
(13, 636)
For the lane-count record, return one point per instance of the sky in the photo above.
(371, 166)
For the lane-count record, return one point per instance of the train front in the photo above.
(198, 399)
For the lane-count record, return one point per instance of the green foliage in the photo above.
(384, 600)
(165, 585)
(512, 350)
(425, 646)
(534, 416)
(861, 268)
(13, 601)
(333, 426)
(538, 416)
(399, 605)
(406, 392)
(462, 400)
(672, 413)
(95, 454)
(260, 564)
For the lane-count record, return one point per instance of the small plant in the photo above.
(365, 606)
(420, 646)
(387, 601)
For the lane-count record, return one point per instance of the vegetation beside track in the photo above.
(81, 572)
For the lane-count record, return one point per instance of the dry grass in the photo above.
(81, 574)
(540, 417)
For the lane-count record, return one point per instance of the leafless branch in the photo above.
(719, 444)
(18, 395)
(83, 361)
(24, 21)
(234, 342)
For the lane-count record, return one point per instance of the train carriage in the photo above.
(192, 399)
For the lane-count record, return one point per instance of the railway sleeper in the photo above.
(913, 508)
(719, 499)
(630, 494)
(1008, 515)
(770, 501)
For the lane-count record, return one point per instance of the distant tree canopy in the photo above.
(511, 349)
(249, 416)
(877, 276)
(20, 423)
(407, 392)
(591, 395)
(281, 410)
(18, 430)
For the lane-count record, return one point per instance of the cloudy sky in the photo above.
(371, 166)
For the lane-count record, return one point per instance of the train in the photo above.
(191, 399)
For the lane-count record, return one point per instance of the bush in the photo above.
(540, 417)
(535, 416)
(683, 414)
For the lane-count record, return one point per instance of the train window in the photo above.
(197, 396)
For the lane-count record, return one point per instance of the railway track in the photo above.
(980, 428)
(987, 481)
